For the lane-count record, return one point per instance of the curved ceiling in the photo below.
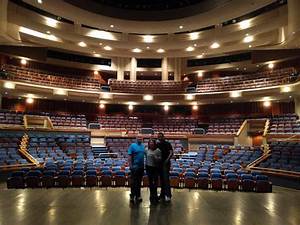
(148, 10)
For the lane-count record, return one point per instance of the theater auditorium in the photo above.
(107, 106)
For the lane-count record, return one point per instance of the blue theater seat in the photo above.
(263, 184)
(247, 182)
(190, 180)
(106, 178)
(63, 179)
(174, 179)
(232, 181)
(16, 180)
(33, 179)
(77, 178)
(216, 181)
(203, 180)
(120, 178)
(91, 178)
(48, 178)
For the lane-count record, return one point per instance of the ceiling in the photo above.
(148, 10)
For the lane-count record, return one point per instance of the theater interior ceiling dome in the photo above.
(148, 10)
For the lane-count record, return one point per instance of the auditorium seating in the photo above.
(131, 123)
(284, 156)
(224, 126)
(282, 124)
(34, 76)
(175, 125)
(9, 146)
(249, 81)
(10, 117)
(148, 86)
(74, 121)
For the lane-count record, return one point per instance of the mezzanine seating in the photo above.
(10, 117)
(240, 82)
(175, 125)
(33, 76)
(224, 126)
(284, 124)
(148, 86)
(131, 123)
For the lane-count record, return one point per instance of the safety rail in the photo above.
(267, 125)
(242, 127)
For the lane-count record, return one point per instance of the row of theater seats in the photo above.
(250, 81)
(9, 147)
(8, 117)
(284, 156)
(148, 86)
(285, 124)
(131, 123)
(59, 121)
(224, 126)
(33, 76)
(50, 147)
(175, 125)
(120, 145)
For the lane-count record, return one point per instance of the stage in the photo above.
(111, 207)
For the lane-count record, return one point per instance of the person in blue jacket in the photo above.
(136, 152)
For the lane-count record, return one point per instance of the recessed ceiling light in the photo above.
(235, 94)
(267, 104)
(96, 72)
(148, 38)
(40, 1)
(130, 107)
(48, 32)
(112, 26)
(215, 45)
(23, 62)
(100, 43)
(195, 45)
(195, 107)
(51, 22)
(194, 35)
(200, 74)
(136, 50)
(190, 97)
(148, 47)
(82, 44)
(160, 50)
(286, 89)
(166, 107)
(248, 39)
(97, 55)
(180, 27)
(148, 97)
(271, 65)
(102, 106)
(250, 46)
(190, 49)
(199, 56)
(244, 24)
(29, 100)
(107, 48)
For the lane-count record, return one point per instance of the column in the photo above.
(120, 68)
(297, 105)
(133, 65)
(0, 101)
(164, 69)
(293, 16)
(177, 69)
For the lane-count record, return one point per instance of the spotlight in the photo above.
(29, 100)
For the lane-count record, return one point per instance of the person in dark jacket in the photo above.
(166, 155)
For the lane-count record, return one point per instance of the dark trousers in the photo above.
(152, 173)
(136, 182)
(164, 173)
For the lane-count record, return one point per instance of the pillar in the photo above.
(133, 65)
(293, 16)
(164, 69)
(0, 101)
(3, 16)
(120, 68)
(177, 69)
(297, 105)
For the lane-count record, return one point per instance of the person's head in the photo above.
(152, 144)
(161, 136)
(139, 139)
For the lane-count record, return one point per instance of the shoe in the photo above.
(167, 199)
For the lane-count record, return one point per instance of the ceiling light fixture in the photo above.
(82, 44)
(148, 38)
(160, 50)
(194, 36)
(190, 49)
(148, 97)
(137, 50)
(51, 22)
(107, 48)
(235, 94)
(23, 62)
(248, 39)
(244, 24)
(267, 104)
(9, 85)
(271, 65)
(215, 45)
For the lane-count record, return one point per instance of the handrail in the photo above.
(277, 172)
(267, 125)
(259, 160)
(242, 127)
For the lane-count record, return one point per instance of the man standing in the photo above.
(136, 153)
(166, 154)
